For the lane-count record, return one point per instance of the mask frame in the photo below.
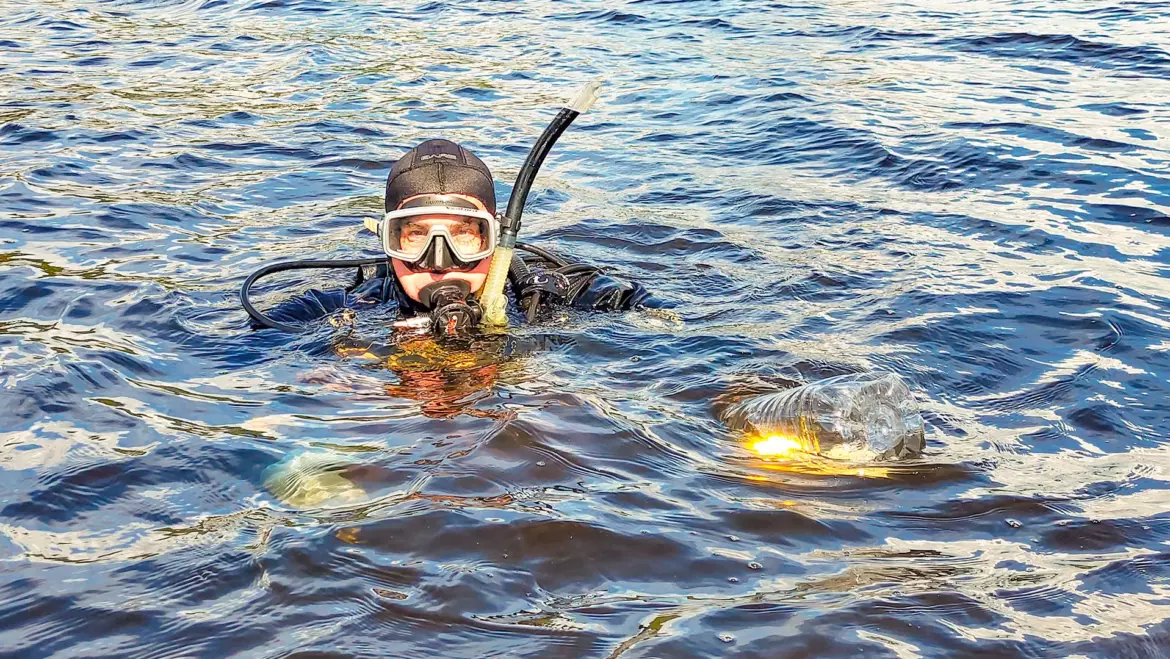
(391, 223)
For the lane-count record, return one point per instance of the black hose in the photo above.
(518, 271)
(578, 268)
(542, 253)
(527, 175)
(294, 265)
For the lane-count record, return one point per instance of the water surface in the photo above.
(975, 197)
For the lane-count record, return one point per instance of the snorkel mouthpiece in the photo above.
(586, 97)
(452, 315)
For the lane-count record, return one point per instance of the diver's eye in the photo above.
(412, 234)
(466, 229)
(468, 235)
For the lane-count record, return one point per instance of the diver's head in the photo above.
(439, 224)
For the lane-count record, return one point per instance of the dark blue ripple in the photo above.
(1127, 60)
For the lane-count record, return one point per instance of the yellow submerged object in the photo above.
(309, 480)
(783, 453)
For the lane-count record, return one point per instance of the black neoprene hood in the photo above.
(439, 167)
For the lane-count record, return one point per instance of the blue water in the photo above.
(973, 195)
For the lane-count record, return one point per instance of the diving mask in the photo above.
(438, 233)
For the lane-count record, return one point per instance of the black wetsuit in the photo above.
(560, 284)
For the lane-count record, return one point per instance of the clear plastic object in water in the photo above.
(869, 413)
(308, 480)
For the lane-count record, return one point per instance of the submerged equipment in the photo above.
(469, 236)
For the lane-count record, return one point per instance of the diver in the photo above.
(439, 233)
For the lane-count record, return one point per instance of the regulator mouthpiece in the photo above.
(452, 315)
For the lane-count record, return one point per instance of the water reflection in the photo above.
(447, 380)
(972, 197)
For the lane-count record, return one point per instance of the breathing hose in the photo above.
(519, 270)
(294, 265)
(543, 253)
(492, 295)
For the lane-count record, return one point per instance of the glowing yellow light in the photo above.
(788, 455)
(776, 445)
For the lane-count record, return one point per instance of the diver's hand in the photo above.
(607, 293)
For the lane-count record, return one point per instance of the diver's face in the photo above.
(413, 282)
(462, 230)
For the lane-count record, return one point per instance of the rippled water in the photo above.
(974, 195)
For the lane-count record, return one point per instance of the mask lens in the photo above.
(469, 235)
(413, 234)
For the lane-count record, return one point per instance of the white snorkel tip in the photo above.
(371, 224)
(586, 97)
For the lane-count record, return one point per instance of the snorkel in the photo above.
(491, 296)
